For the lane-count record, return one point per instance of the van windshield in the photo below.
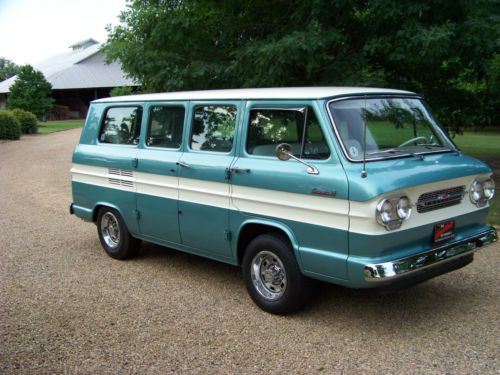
(391, 127)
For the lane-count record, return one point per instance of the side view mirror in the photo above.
(283, 152)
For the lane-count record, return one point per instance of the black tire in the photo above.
(114, 235)
(276, 284)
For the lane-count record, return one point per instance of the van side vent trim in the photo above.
(126, 173)
(127, 182)
(435, 200)
(114, 181)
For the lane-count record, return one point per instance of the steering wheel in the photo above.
(412, 140)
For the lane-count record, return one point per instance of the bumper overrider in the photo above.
(437, 257)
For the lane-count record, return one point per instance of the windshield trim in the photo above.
(403, 154)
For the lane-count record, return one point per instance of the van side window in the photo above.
(122, 125)
(270, 127)
(213, 128)
(165, 126)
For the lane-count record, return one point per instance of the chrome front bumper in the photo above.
(393, 270)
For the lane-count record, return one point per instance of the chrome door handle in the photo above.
(182, 164)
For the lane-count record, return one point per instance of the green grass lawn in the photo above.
(485, 146)
(55, 126)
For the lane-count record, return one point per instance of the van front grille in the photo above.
(435, 200)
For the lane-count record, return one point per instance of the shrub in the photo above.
(9, 126)
(27, 120)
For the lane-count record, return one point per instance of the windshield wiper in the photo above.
(432, 145)
(395, 151)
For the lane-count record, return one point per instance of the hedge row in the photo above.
(15, 122)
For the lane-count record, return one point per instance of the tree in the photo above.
(31, 92)
(121, 91)
(7, 69)
(444, 49)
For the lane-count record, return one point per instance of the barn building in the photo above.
(77, 77)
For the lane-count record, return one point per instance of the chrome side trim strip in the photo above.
(388, 271)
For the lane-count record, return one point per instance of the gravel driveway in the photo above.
(66, 307)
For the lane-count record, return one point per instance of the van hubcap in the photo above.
(268, 275)
(110, 230)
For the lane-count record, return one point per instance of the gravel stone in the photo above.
(68, 308)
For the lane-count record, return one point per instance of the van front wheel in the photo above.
(272, 275)
(114, 235)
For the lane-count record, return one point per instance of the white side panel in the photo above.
(157, 185)
(327, 212)
(204, 192)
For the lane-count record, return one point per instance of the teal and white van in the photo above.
(355, 186)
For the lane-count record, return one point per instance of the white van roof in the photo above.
(264, 93)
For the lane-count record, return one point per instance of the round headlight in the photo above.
(385, 212)
(403, 208)
(476, 192)
(489, 188)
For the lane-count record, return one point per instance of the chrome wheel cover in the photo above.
(268, 275)
(110, 230)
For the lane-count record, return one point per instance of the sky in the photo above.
(34, 30)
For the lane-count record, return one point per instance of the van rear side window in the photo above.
(165, 127)
(122, 125)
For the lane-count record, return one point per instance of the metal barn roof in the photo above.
(81, 68)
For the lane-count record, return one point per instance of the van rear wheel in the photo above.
(272, 275)
(114, 235)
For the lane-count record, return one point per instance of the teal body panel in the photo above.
(83, 213)
(188, 223)
(388, 175)
(109, 156)
(415, 240)
(87, 198)
(158, 218)
(205, 228)
(320, 251)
